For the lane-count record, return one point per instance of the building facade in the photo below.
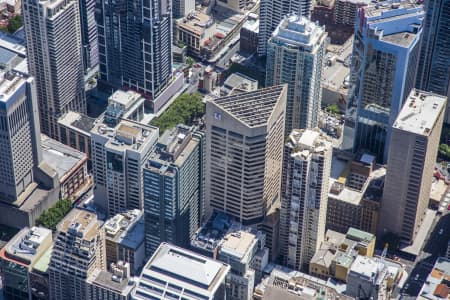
(119, 151)
(173, 188)
(306, 169)
(135, 45)
(53, 38)
(433, 72)
(412, 156)
(295, 55)
(385, 51)
(272, 12)
(89, 37)
(244, 137)
(78, 250)
(19, 135)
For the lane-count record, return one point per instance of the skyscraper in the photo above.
(53, 38)
(119, 151)
(306, 172)
(295, 55)
(434, 68)
(244, 140)
(135, 44)
(412, 156)
(20, 140)
(78, 251)
(272, 12)
(383, 70)
(89, 37)
(173, 188)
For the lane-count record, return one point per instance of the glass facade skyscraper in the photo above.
(135, 45)
(434, 68)
(383, 70)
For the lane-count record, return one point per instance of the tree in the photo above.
(333, 109)
(190, 61)
(14, 23)
(55, 214)
(184, 110)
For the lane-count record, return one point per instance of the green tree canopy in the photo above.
(184, 110)
(55, 214)
(14, 23)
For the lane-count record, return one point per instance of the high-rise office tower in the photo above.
(173, 188)
(272, 12)
(306, 172)
(412, 156)
(181, 8)
(53, 37)
(20, 140)
(244, 146)
(89, 37)
(135, 44)
(119, 151)
(383, 71)
(295, 55)
(433, 72)
(78, 250)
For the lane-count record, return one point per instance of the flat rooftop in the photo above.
(240, 82)
(41, 265)
(436, 285)
(195, 22)
(181, 271)
(62, 158)
(126, 228)
(25, 246)
(238, 243)
(77, 122)
(386, 9)
(253, 108)
(420, 112)
(107, 281)
(9, 85)
(127, 135)
(125, 98)
(80, 222)
(365, 266)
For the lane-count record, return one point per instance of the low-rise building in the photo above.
(249, 34)
(71, 166)
(338, 252)
(373, 278)
(287, 284)
(74, 130)
(17, 259)
(356, 187)
(238, 83)
(124, 239)
(173, 273)
(437, 284)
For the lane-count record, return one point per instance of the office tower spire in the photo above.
(383, 70)
(272, 12)
(52, 30)
(135, 45)
(295, 55)
(412, 156)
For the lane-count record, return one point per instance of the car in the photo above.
(448, 207)
(441, 231)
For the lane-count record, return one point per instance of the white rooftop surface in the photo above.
(12, 44)
(308, 138)
(124, 98)
(188, 265)
(237, 244)
(364, 266)
(420, 112)
(22, 67)
(9, 87)
(299, 31)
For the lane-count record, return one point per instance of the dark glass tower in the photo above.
(135, 42)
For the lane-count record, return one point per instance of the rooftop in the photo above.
(62, 158)
(196, 22)
(28, 245)
(109, 281)
(126, 228)
(437, 284)
(253, 108)
(6, 56)
(359, 235)
(77, 122)
(238, 82)
(298, 31)
(389, 9)
(41, 265)
(365, 266)
(186, 271)
(420, 112)
(127, 135)
(81, 223)
(10, 84)
(305, 142)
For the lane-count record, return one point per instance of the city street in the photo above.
(435, 246)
